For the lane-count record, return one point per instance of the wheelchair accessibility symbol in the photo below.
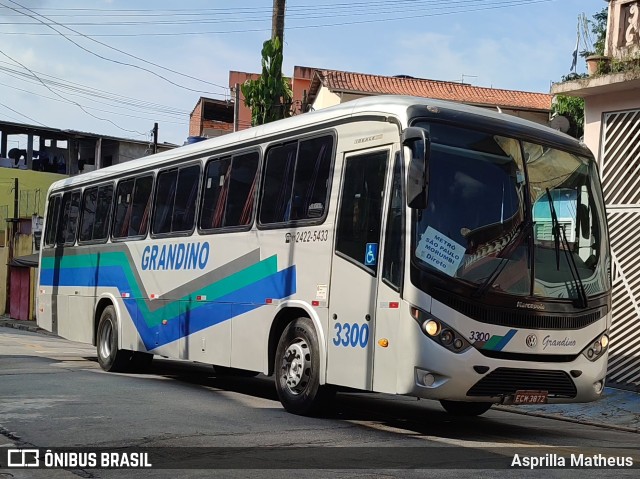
(371, 256)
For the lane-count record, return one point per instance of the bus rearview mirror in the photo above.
(418, 142)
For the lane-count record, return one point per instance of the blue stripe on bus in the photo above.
(197, 316)
(503, 342)
(277, 286)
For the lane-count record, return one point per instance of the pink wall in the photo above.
(597, 105)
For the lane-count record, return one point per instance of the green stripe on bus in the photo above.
(493, 342)
(224, 286)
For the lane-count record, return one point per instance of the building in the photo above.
(22, 203)
(331, 87)
(211, 118)
(50, 155)
(315, 88)
(67, 152)
(612, 132)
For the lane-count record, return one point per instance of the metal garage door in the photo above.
(620, 169)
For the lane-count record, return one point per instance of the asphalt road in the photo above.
(53, 394)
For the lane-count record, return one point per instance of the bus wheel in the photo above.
(297, 372)
(462, 408)
(110, 357)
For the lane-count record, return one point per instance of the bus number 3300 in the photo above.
(351, 335)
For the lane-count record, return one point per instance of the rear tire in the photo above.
(297, 369)
(463, 408)
(110, 357)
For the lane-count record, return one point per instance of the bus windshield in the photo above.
(478, 229)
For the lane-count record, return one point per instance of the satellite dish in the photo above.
(559, 122)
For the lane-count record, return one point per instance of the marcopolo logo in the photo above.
(534, 306)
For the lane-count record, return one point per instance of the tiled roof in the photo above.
(339, 81)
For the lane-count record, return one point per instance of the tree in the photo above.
(594, 33)
(270, 96)
(571, 107)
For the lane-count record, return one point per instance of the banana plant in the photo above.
(270, 96)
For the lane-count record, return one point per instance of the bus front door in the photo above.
(353, 294)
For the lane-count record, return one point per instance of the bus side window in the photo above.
(361, 209)
(122, 214)
(278, 177)
(392, 266)
(312, 177)
(216, 184)
(140, 206)
(176, 196)
(296, 181)
(96, 211)
(53, 212)
(165, 197)
(229, 191)
(89, 205)
(133, 200)
(68, 224)
(103, 213)
(242, 188)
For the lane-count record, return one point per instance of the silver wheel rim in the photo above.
(296, 366)
(105, 339)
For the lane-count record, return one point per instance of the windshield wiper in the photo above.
(559, 234)
(507, 251)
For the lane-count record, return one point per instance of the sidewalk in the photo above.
(24, 325)
(618, 409)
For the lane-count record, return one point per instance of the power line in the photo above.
(366, 10)
(22, 114)
(449, 11)
(93, 108)
(117, 50)
(238, 10)
(92, 93)
(75, 103)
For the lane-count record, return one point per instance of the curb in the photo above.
(24, 327)
(558, 417)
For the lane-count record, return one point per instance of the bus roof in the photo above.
(392, 106)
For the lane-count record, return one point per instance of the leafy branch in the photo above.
(270, 96)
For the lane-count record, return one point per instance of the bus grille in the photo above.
(520, 319)
(506, 381)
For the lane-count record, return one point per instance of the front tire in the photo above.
(297, 369)
(110, 357)
(463, 408)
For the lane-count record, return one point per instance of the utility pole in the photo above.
(155, 138)
(277, 20)
(13, 233)
(16, 199)
(236, 107)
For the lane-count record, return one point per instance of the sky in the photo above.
(115, 67)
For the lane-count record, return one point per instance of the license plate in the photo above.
(530, 397)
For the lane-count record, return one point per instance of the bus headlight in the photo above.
(431, 327)
(596, 348)
(439, 331)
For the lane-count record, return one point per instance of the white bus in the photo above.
(392, 244)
